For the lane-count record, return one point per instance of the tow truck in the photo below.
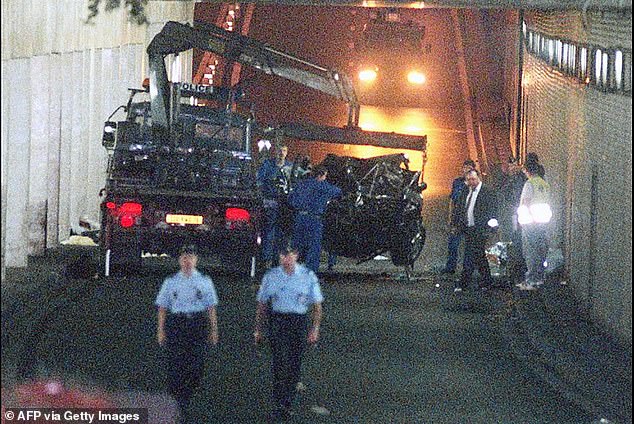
(179, 172)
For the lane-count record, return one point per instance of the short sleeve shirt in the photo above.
(290, 293)
(182, 294)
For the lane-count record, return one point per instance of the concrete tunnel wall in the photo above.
(61, 79)
(578, 131)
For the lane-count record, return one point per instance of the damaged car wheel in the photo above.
(408, 243)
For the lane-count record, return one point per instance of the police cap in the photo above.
(288, 248)
(188, 249)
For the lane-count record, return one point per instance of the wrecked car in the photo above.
(380, 211)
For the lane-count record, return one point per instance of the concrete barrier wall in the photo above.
(583, 136)
(61, 79)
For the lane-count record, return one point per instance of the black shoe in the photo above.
(447, 271)
(287, 413)
(281, 414)
(486, 285)
(276, 416)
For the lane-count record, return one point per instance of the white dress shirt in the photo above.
(473, 195)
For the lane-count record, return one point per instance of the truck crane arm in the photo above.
(176, 37)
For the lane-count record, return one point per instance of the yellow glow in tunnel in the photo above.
(443, 142)
(398, 120)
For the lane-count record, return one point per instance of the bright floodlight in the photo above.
(416, 77)
(367, 75)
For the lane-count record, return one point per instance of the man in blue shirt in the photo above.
(273, 179)
(186, 324)
(455, 236)
(285, 296)
(309, 200)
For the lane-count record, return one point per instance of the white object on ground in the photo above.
(319, 410)
(380, 258)
(79, 241)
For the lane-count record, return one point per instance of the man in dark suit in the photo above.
(475, 215)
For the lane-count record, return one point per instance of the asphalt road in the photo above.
(391, 352)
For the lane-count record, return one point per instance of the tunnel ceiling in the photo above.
(490, 4)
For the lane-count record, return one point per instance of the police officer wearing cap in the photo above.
(186, 324)
(285, 297)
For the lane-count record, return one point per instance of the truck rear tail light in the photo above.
(131, 208)
(127, 221)
(236, 218)
(126, 212)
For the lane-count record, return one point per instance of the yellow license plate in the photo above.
(183, 219)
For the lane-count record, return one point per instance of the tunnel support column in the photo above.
(520, 72)
(464, 82)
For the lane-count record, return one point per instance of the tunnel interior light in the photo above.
(598, 56)
(618, 69)
(604, 69)
(367, 75)
(416, 77)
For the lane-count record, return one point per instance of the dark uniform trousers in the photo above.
(475, 257)
(288, 340)
(307, 234)
(186, 347)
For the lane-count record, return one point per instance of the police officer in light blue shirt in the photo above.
(187, 322)
(286, 295)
